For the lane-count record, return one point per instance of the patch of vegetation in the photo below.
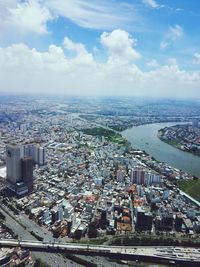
(191, 187)
(174, 142)
(109, 134)
(62, 150)
(154, 240)
(118, 128)
(40, 263)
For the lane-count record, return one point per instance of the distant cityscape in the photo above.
(67, 169)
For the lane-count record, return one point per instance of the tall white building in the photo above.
(152, 178)
(41, 156)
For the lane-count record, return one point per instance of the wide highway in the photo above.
(168, 253)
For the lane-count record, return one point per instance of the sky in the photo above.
(100, 47)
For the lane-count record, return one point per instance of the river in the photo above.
(144, 137)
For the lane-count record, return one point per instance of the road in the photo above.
(14, 221)
(176, 254)
(54, 260)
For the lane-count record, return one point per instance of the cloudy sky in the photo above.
(100, 47)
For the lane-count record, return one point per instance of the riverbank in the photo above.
(174, 143)
(145, 138)
(182, 137)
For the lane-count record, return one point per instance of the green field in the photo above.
(107, 133)
(192, 188)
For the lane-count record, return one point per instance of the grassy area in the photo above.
(174, 142)
(109, 134)
(190, 187)
(159, 239)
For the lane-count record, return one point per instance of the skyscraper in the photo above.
(36, 152)
(19, 170)
(13, 165)
(138, 175)
(27, 172)
(41, 156)
(30, 150)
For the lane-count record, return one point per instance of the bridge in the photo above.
(178, 255)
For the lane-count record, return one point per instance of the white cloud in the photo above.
(55, 71)
(95, 14)
(172, 61)
(27, 16)
(164, 45)
(154, 4)
(197, 58)
(79, 48)
(120, 45)
(173, 34)
(82, 55)
(151, 3)
(153, 64)
(32, 16)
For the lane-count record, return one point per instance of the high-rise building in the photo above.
(138, 176)
(144, 219)
(41, 156)
(36, 152)
(152, 178)
(19, 170)
(27, 172)
(13, 165)
(30, 150)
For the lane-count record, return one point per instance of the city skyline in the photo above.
(113, 174)
(133, 48)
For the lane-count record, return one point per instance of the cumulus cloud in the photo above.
(120, 45)
(79, 48)
(27, 16)
(173, 34)
(33, 16)
(153, 63)
(82, 55)
(55, 70)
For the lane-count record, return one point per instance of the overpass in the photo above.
(185, 256)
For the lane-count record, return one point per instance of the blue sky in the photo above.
(133, 47)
